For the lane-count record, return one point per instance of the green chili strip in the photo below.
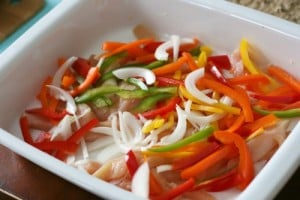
(150, 101)
(200, 135)
(279, 113)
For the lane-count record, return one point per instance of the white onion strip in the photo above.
(161, 51)
(180, 129)
(140, 181)
(60, 72)
(127, 72)
(102, 130)
(190, 85)
(64, 96)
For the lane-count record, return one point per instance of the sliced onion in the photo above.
(180, 129)
(63, 129)
(190, 85)
(127, 72)
(64, 96)
(161, 51)
(140, 182)
(163, 168)
(102, 129)
(134, 127)
(84, 149)
(99, 143)
(60, 72)
(110, 152)
(117, 134)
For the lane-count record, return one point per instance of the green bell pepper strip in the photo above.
(102, 101)
(111, 60)
(200, 135)
(152, 65)
(94, 93)
(295, 112)
(139, 93)
(150, 101)
(137, 82)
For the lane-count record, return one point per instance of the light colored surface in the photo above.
(63, 32)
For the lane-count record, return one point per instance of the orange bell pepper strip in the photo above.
(284, 77)
(91, 77)
(225, 152)
(237, 123)
(111, 45)
(170, 68)
(128, 46)
(249, 79)
(245, 166)
(190, 60)
(237, 94)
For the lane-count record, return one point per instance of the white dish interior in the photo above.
(78, 28)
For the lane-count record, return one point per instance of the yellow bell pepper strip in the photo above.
(177, 191)
(169, 107)
(92, 76)
(284, 77)
(199, 135)
(295, 112)
(245, 166)
(169, 68)
(131, 163)
(224, 152)
(202, 149)
(25, 130)
(237, 95)
(220, 183)
(244, 51)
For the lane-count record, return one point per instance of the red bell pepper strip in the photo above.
(166, 81)
(245, 167)
(220, 61)
(152, 46)
(217, 74)
(81, 66)
(48, 113)
(220, 183)
(177, 191)
(292, 106)
(25, 130)
(285, 99)
(65, 146)
(171, 105)
(131, 163)
(77, 135)
(155, 186)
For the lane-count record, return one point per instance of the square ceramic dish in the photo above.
(78, 28)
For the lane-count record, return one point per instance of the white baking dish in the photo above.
(78, 28)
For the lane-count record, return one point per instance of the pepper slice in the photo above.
(131, 163)
(200, 135)
(245, 167)
(295, 112)
(150, 101)
(48, 113)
